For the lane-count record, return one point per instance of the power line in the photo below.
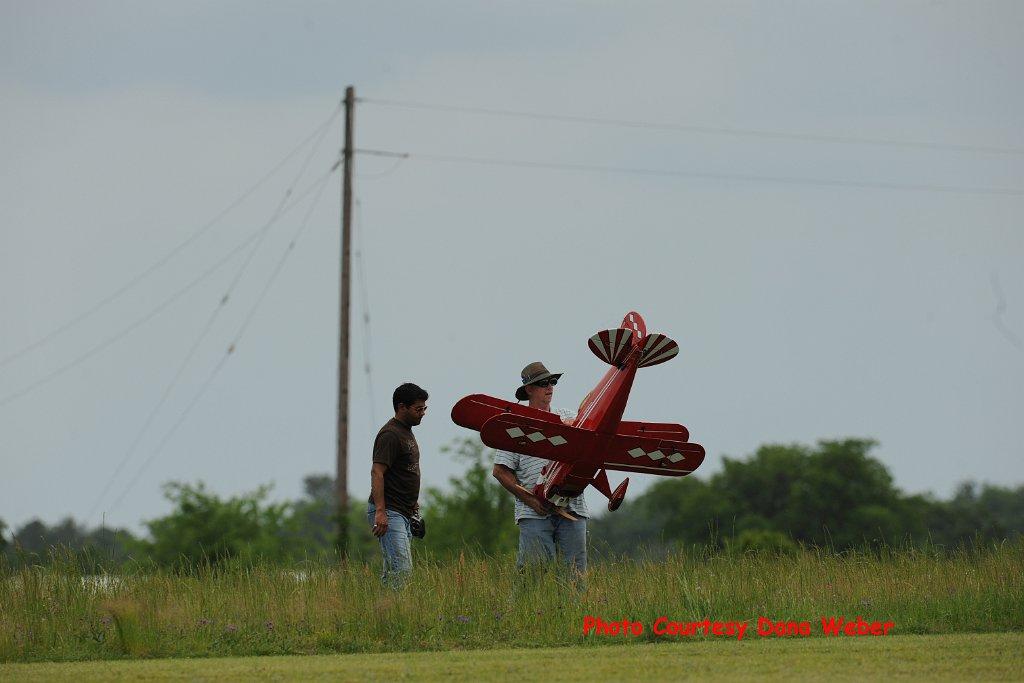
(159, 263)
(785, 180)
(153, 312)
(709, 130)
(279, 267)
(131, 327)
(280, 206)
(156, 409)
(230, 350)
(278, 212)
(167, 436)
(382, 174)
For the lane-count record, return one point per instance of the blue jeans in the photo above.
(394, 546)
(542, 540)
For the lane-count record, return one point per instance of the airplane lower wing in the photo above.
(666, 457)
(474, 410)
(671, 457)
(539, 438)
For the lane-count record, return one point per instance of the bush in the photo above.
(757, 541)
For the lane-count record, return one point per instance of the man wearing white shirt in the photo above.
(543, 535)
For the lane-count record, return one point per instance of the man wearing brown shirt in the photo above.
(395, 482)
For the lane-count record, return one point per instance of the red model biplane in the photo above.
(598, 439)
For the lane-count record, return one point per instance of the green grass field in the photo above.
(55, 614)
(949, 657)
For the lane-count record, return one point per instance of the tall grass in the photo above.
(57, 613)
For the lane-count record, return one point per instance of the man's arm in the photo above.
(507, 478)
(380, 517)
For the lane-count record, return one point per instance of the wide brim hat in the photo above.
(532, 373)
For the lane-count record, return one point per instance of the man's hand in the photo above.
(536, 504)
(508, 479)
(380, 523)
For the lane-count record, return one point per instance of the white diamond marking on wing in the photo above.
(515, 432)
(675, 457)
(557, 440)
(656, 455)
(637, 452)
(535, 437)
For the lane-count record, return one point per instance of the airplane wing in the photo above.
(649, 455)
(662, 430)
(670, 456)
(539, 438)
(474, 410)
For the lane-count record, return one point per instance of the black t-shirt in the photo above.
(396, 447)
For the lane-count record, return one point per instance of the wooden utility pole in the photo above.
(341, 480)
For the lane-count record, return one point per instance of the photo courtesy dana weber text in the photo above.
(765, 627)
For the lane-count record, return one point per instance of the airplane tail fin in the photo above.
(635, 322)
(657, 349)
(613, 346)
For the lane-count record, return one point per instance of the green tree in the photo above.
(36, 538)
(476, 513)
(204, 528)
(313, 521)
(977, 514)
(36, 542)
(671, 512)
(834, 494)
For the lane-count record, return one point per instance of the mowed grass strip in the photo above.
(993, 656)
(54, 613)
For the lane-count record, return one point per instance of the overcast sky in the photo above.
(823, 277)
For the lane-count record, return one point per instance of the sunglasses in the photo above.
(546, 382)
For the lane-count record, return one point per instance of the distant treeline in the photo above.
(833, 496)
(201, 528)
